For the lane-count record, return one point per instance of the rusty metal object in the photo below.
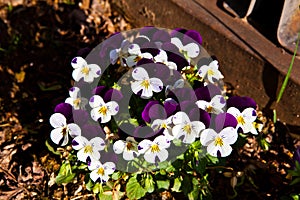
(289, 25)
(248, 60)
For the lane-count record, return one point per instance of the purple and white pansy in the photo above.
(83, 70)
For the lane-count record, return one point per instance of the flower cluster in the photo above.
(169, 97)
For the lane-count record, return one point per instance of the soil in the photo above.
(37, 42)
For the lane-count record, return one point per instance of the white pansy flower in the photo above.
(85, 71)
(136, 55)
(75, 99)
(190, 50)
(218, 144)
(143, 84)
(155, 151)
(162, 57)
(184, 127)
(245, 119)
(211, 71)
(129, 148)
(62, 130)
(101, 110)
(214, 106)
(165, 124)
(88, 150)
(100, 172)
(120, 53)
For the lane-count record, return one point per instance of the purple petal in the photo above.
(171, 106)
(74, 143)
(161, 36)
(153, 110)
(74, 60)
(125, 130)
(143, 132)
(100, 90)
(241, 103)
(145, 113)
(224, 120)
(205, 118)
(207, 93)
(80, 117)
(113, 95)
(90, 131)
(72, 89)
(192, 36)
(66, 110)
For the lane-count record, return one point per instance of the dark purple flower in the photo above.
(112, 95)
(80, 117)
(224, 120)
(153, 110)
(241, 103)
(192, 36)
(207, 93)
(66, 110)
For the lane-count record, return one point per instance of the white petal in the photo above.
(139, 74)
(74, 92)
(147, 93)
(157, 84)
(144, 146)
(147, 55)
(131, 61)
(113, 107)
(207, 136)
(177, 42)
(136, 86)
(161, 56)
(57, 120)
(203, 71)
(94, 175)
(229, 135)
(172, 66)
(162, 141)
(80, 62)
(105, 118)
(202, 104)
(162, 155)
(82, 156)
(214, 64)
(218, 102)
(114, 56)
(134, 49)
(249, 114)
(80, 142)
(96, 101)
(247, 127)
(234, 111)
(97, 143)
(189, 138)
(77, 75)
(156, 124)
(65, 140)
(197, 126)
(56, 135)
(74, 130)
(95, 164)
(119, 146)
(224, 150)
(177, 131)
(95, 70)
(95, 114)
(70, 101)
(150, 157)
(95, 155)
(180, 118)
(192, 50)
(109, 167)
(128, 155)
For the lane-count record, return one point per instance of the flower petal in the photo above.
(119, 146)
(113, 107)
(56, 135)
(229, 135)
(162, 141)
(157, 84)
(134, 49)
(177, 42)
(109, 167)
(82, 156)
(74, 130)
(57, 120)
(207, 136)
(79, 142)
(192, 50)
(139, 74)
(180, 118)
(144, 145)
(96, 101)
(78, 62)
(162, 155)
(97, 143)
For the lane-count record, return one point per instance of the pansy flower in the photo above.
(143, 85)
(245, 119)
(120, 53)
(162, 57)
(218, 144)
(100, 172)
(102, 111)
(211, 71)
(215, 106)
(75, 99)
(136, 55)
(165, 125)
(88, 150)
(186, 128)
(155, 151)
(190, 50)
(62, 130)
(129, 148)
(85, 71)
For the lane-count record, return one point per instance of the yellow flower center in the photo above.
(155, 148)
(209, 108)
(210, 72)
(64, 130)
(103, 110)
(129, 146)
(85, 70)
(100, 171)
(163, 125)
(77, 102)
(187, 128)
(88, 149)
(240, 120)
(137, 59)
(145, 84)
(218, 141)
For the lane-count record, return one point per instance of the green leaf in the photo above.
(186, 185)
(116, 175)
(149, 183)
(200, 166)
(50, 148)
(163, 184)
(105, 196)
(177, 185)
(295, 181)
(177, 142)
(89, 186)
(134, 190)
(65, 174)
(193, 195)
(97, 188)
